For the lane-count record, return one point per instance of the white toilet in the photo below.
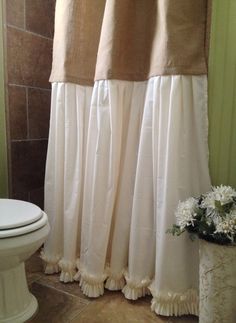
(23, 229)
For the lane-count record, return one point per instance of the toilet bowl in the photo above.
(23, 229)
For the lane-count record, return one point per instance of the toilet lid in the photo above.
(15, 232)
(15, 214)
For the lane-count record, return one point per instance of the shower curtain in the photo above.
(128, 140)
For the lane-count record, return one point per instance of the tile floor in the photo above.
(64, 303)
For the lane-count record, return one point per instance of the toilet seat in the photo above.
(19, 217)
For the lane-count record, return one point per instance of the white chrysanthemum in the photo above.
(186, 212)
(223, 194)
(209, 201)
(228, 224)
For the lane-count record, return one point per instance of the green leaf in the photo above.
(218, 204)
(175, 230)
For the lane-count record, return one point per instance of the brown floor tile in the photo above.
(61, 303)
(29, 58)
(40, 16)
(32, 277)
(39, 113)
(55, 306)
(70, 288)
(181, 319)
(114, 308)
(15, 12)
(34, 264)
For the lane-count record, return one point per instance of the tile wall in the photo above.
(29, 33)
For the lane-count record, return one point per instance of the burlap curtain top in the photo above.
(128, 39)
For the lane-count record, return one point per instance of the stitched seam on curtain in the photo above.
(119, 76)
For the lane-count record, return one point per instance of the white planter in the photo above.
(217, 283)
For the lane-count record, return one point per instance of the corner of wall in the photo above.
(3, 137)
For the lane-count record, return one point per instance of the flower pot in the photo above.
(217, 283)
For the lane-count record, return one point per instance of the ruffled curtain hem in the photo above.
(135, 289)
(51, 263)
(115, 281)
(163, 303)
(175, 304)
(68, 270)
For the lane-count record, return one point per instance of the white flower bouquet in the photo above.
(211, 217)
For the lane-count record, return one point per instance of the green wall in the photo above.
(222, 93)
(3, 141)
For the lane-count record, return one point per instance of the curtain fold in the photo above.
(125, 148)
(70, 107)
(129, 40)
(146, 149)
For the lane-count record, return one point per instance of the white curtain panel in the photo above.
(120, 157)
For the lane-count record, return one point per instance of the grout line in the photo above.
(23, 140)
(27, 113)
(27, 31)
(85, 308)
(78, 314)
(30, 87)
(35, 276)
(84, 301)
